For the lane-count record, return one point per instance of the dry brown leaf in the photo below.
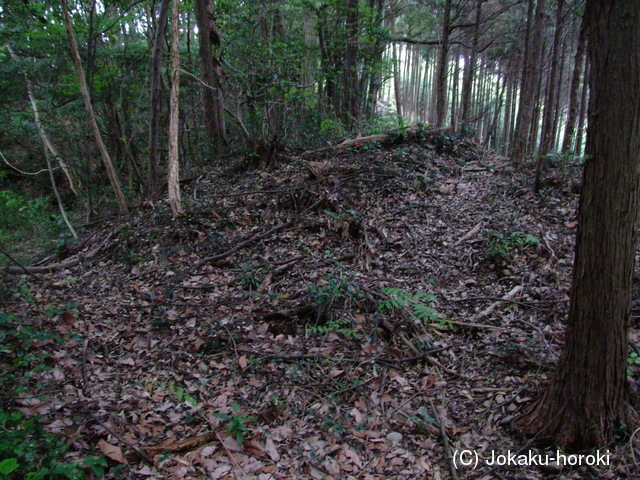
(243, 362)
(112, 451)
(271, 449)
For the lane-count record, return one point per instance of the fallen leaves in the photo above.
(169, 345)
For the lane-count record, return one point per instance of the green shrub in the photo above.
(28, 452)
(27, 223)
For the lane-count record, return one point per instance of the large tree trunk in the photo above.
(75, 56)
(587, 397)
(153, 177)
(174, 115)
(553, 84)
(212, 99)
(528, 91)
(443, 67)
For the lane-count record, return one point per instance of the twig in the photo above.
(21, 268)
(468, 235)
(254, 239)
(501, 299)
(85, 382)
(71, 262)
(445, 441)
(507, 297)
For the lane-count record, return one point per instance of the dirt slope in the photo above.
(362, 315)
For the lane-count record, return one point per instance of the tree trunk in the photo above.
(174, 115)
(469, 69)
(443, 67)
(75, 56)
(528, 91)
(587, 397)
(547, 135)
(396, 82)
(153, 176)
(570, 130)
(48, 151)
(208, 36)
(351, 97)
(584, 103)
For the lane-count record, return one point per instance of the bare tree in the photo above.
(106, 159)
(153, 177)
(174, 118)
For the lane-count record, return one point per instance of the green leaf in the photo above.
(8, 465)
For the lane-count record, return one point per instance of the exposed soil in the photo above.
(312, 335)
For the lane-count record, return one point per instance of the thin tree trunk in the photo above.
(586, 401)
(528, 92)
(174, 115)
(570, 130)
(469, 68)
(454, 91)
(443, 67)
(584, 102)
(396, 82)
(48, 150)
(351, 106)
(75, 55)
(153, 176)
(211, 92)
(549, 105)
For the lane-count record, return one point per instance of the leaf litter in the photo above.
(360, 315)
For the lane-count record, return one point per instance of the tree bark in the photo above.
(75, 56)
(587, 397)
(174, 118)
(153, 176)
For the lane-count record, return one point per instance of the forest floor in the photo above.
(355, 315)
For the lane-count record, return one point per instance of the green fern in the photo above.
(416, 304)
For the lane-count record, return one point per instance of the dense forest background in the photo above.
(257, 78)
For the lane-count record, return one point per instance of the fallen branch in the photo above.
(70, 262)
(20, 268)
(468, 235)
(254, 239)
(507, 297)
(445, 441)
(380, 138)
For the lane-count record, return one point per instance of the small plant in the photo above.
(633, 360)
(499, 245)
(338, 325)
(237, 423)
(30, 453)
(334, 290)
(249, 277)
(414, 303)
(181, 395)
(423, 419)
